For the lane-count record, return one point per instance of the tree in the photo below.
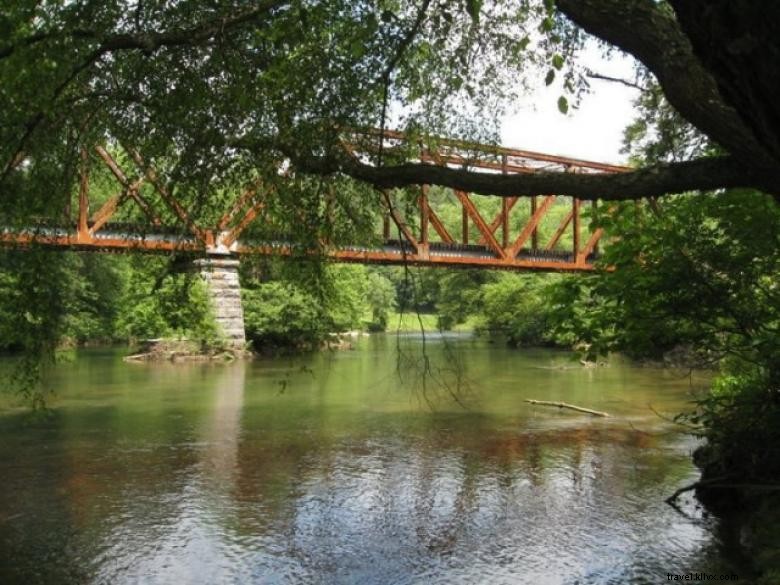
(380, 296)
(218, 89)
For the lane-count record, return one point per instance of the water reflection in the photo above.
(203, 474)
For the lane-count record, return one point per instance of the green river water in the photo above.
(343, 468)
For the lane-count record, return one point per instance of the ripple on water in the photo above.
(336, 481)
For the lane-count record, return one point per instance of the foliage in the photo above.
(156, 303)
(345, 297)
(46, 297)
(517, 307)
(741, 421)
(380, 296)
(212, 91)
(281, 314)
(299, 305)
(50, 298)
(659, 133)
(695, 272)
(702, 274)
(459, 295)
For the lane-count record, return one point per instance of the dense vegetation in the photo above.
(95, 298)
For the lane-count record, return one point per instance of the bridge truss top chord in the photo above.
(423, 240)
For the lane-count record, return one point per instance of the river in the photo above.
(345, 467)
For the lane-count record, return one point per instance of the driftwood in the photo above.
(565, 405)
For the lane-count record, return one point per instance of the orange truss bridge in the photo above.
(419, 238)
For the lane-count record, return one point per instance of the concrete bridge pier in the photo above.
(221, 276)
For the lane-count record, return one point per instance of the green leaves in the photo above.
(563, 104)
(472, 8)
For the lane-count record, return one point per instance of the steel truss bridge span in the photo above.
(421, 238)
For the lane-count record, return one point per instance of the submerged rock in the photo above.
(183, 350)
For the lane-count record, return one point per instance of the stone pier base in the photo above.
(221, 276)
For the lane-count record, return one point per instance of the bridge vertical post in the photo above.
(575, 218)
(221, 276)
(82, 233)
(504, 210)
(424, 215)
(386, 227)
(465, 222)
(535, 231)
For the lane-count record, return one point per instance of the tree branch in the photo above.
(150, 41)
(737, 42)
(654, 181)
(626, 82)
(654, 37)
(38, 37)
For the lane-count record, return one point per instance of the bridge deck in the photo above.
(389, 252)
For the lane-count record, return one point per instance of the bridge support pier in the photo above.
(221, 277)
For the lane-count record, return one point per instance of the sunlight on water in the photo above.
(333, 469)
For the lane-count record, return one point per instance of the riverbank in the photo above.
(750, 515)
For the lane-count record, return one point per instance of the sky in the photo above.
(594, 131)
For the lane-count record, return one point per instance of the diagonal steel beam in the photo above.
(575, 227)
(109, 208)
(400, 224)
(133, 193)
(531, 226)
(439, 226)
(590, 245)
(483, 228)
(559, 232)
(239, 204)
(170, 200)
(82, 233)
(248, 218)
(498, 220)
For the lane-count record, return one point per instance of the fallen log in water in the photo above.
(565, 405)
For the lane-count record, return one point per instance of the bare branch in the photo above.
(626, 82)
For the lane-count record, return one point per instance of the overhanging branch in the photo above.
(656, 181)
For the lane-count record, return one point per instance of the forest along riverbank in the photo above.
(330, 466)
